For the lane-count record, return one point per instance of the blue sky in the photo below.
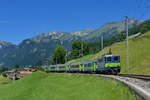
(22, 19)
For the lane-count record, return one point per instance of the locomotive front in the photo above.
(112, 63)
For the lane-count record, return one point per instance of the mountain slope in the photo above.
(140, 29)
(111, 29)
(82, 32)
(5, 49)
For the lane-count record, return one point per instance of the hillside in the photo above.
(46, 86)
(135, 31)
(139, 54)
(111, 29)
(32, 50)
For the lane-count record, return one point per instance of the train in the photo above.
(106, 64)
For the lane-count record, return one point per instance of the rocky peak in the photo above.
(50, 35)
(82, 32)
(4, 44)
(56, 35)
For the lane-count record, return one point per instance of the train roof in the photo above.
(82, 62)
(88, 61)
(75, 63)
(110, 55)
(107, 55)
(60, 65)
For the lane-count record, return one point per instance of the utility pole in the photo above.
(82, 48)
(66, 56)
(66, 60)
(102, 45)
(56, 60)
(126, 24)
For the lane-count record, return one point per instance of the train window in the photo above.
(109, 59)
(85, 65)
(116, 58)
(75, 66)
(105, 59)
(89, 65)
(100, 60)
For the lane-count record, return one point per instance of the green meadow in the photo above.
(139, 55)
(54, 86)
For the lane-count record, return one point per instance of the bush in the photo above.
(4, 74)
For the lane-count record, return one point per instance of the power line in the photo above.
(144, 6)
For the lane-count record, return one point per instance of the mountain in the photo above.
(5, 49)
(81, 33)
(110, 29)
(32, 50)
(4, 44)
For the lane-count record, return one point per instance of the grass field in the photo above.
(147, 33)
(139, 55)
(45, 86)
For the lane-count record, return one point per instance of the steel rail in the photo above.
(143, 77)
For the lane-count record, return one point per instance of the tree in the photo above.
(4, 74)
(16, 67)
(77, 49)
(59, 55)
(3, 69)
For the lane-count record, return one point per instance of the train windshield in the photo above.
(116, 58)
(108, 59)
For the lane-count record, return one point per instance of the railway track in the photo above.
(139, 84)
(143, 77)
